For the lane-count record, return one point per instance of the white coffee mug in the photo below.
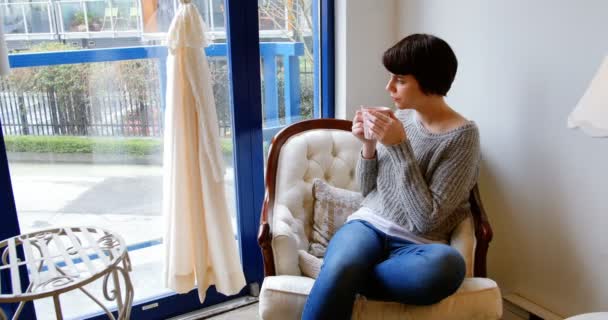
(367, 132)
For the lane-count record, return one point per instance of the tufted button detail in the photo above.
(327, 176)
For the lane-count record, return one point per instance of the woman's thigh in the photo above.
(418, 274)
(355, 243)
(351, 255)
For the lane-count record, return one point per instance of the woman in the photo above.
(416, 176)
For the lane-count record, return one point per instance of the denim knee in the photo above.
(342, 269)
(447, 276)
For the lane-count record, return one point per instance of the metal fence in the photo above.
(103, 113)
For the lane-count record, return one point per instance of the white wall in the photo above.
(523, 66)
(363, 31)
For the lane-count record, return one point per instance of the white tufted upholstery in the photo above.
(332, 155)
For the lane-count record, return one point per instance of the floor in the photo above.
(244, 313)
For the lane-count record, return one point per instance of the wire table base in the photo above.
(57, 261)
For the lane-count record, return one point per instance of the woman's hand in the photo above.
(369, 145)
(357, 129)
(386, 128)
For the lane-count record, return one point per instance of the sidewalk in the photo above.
(126, 199)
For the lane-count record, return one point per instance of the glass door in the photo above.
(82, 124)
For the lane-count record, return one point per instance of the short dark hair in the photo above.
(427, 58)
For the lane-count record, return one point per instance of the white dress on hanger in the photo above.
(199, 240)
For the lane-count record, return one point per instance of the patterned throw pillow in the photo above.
(332, 206)
(309, 264)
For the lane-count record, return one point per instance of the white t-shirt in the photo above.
(388, 227)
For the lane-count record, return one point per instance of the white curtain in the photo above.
(200, 246)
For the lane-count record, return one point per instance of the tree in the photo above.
(298, 25)
(15, 89)
(63, 86)
(67, 87)
(140, 93)
(74, 94)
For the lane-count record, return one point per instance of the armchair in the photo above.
(326, 149)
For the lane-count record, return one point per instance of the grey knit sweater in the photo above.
(423, 184)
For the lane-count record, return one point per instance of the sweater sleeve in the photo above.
(367, 173)
(430, 203)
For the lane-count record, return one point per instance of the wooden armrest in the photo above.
(483, 233)
(265, 241)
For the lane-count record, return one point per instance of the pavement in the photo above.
(126, 199)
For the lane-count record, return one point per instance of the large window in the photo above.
(91, 134)
(73, 19)
(83, 127)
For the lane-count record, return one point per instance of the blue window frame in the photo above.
(243, 52)
(10, 225)
(244, 72)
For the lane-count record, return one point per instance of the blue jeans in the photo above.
(361, 259)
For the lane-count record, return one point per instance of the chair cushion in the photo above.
(332, 206)
(283, 297)
(309, 264)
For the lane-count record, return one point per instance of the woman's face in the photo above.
(405, 91)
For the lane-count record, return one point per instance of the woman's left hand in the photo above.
(387, 129)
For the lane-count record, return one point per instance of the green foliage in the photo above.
(62, 144)
(51, 46)
(218, 68)
(76, 89)
(78, 18)
(29, 79)
(63, 79)
(226, 145)
(68, 144)
(79, 79)
(78, 22)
